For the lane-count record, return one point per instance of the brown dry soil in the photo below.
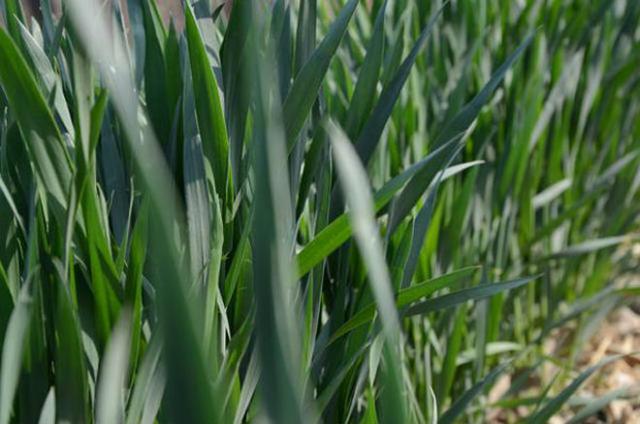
(617, 334)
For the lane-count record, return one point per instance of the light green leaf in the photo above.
(13, 349)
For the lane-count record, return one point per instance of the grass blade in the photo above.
(13, 349)
(554, 404)
(463, 120)
(305, 87)
(338, 231)
(372, 130)
(113, 374)
(44, 142)
(461, 404)
(276, 328)
(474, 293)
(404, 297)
(208, 107)
(361, 213)
(362, 98)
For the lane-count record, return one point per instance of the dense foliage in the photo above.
(302, 211)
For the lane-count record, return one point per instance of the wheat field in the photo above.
(303, 211)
